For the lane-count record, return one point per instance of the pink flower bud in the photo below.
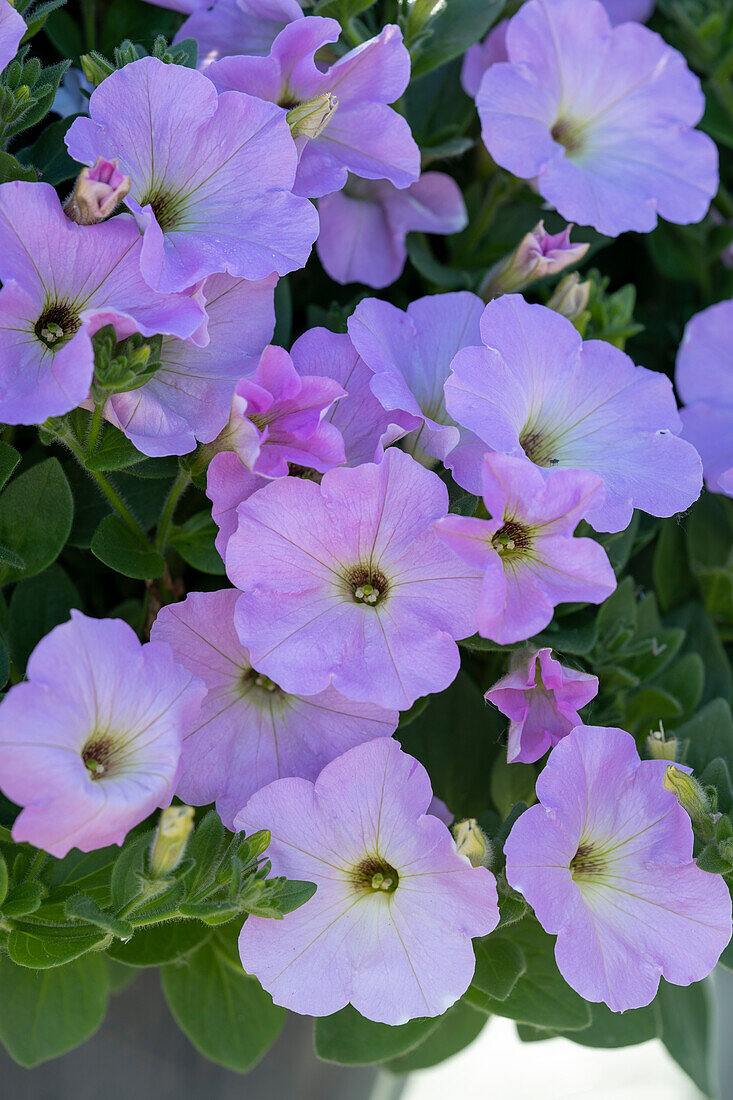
(538, 254)
(97, 193)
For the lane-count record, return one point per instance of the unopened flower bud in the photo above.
(97, 193)
(571, 296)
(171, 837)
(660, 747)
(538, 254)
(691, 796)
(472, 843)
(310, 118)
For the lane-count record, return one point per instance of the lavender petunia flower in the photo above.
(606, 862)
(541, 697)
(63, 281)
(704, 380)
(249, 732)
(480, 57)
(611, 144)
(364, 227)
(536, 389)
(628, 11)
(190, 397)
(527, 552)
(91, 744)
(211, 176)
(235, 26)
(12, 29)
(389, 928)
(358, 131)
(346, 583)
(278, 418)
(410, 354)
(228, 483)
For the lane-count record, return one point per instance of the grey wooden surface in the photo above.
(140, 1054)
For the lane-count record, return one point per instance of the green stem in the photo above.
(166, 516)
(497, 195)
(94, 429)
(90, 23)
(106, 487)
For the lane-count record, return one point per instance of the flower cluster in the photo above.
(406, 483)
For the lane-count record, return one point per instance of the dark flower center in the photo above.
(567, 134)
(368, 585)
(376, 875)
(251, 678)
(168, 207)
(538, 445)
(586, 861)
(97, 757)
(512, 537)
(57, 324)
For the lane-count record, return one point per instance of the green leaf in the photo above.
(702, 637)
(40, 948)
(686, 1024)
(456, 738)
(458, 1027)
(36, 607)
(49, 154)
(541, 996)
(227, 1016)
(349, 1039)
(511, 783)
(499, 966)
(457, 26)
(113, 452)
(710, 735)
(11, 169)
(294, 894)
(36, 511)
(616, 1029)
(161, 943)
(9, 459)
(121, 549)
(4, 879)
(22, 899)
(65, 34)
(83, 907)
(672, 577)
(129, 868)
(44, 1014)
(194, 541)
(575, 634)
(89, 872)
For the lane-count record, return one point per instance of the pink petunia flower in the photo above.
(346, 583)
(389, 928)
(364, 227)
(605, 860)
(527, 552)
(541, 697)
(62, 282)
(91, 744)
(536, 389)
(250, 732)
